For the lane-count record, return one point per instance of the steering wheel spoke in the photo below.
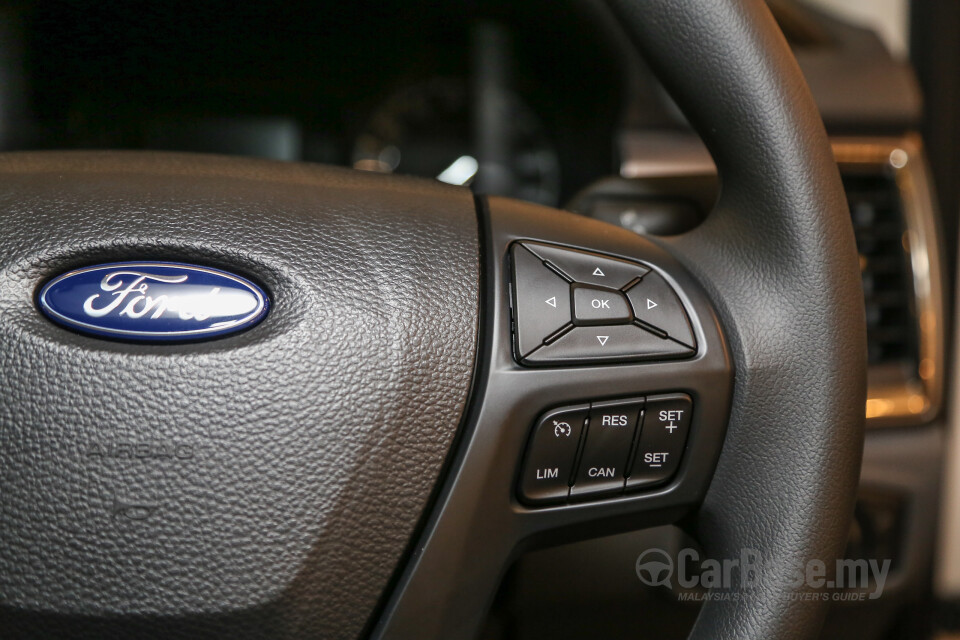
(485, 516)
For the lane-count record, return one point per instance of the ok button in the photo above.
(597, 306)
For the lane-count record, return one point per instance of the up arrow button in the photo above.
(588, 268)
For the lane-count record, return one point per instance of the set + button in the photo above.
(663, 436)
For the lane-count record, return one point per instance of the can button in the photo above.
(606, 449)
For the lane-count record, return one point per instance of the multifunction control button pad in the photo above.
(600, 449)
(576, 307)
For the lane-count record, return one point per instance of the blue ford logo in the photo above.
(153, 301)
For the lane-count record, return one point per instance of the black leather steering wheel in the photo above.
(354, 459)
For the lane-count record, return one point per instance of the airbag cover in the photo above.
(264, 484)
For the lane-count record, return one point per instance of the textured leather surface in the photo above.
(778, 254)
(317, 436)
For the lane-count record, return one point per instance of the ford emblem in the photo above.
(153, 301)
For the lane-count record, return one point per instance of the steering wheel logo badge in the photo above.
(562, 429)
(153, 301)
(655, 567)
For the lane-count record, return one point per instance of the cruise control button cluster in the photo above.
(601, 449)
(575, 307)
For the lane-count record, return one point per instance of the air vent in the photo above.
(893, 212)
(892, 207)
(882, 239)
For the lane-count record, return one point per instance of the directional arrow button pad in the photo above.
(572, 306)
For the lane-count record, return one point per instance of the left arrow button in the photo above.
(541, 301)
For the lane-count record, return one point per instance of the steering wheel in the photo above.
(359, 462)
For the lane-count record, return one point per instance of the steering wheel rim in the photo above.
(778, 257)
(771, 279)
(786, 492)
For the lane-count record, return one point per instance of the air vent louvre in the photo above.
(880, 227)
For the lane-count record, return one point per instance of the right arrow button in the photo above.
(655, 303)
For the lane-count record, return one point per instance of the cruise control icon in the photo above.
(562, 429)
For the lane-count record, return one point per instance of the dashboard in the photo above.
(469, 94)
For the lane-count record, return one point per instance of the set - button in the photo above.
(589, 451)
(664, 436)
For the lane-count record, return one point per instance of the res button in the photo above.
(609, 437)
